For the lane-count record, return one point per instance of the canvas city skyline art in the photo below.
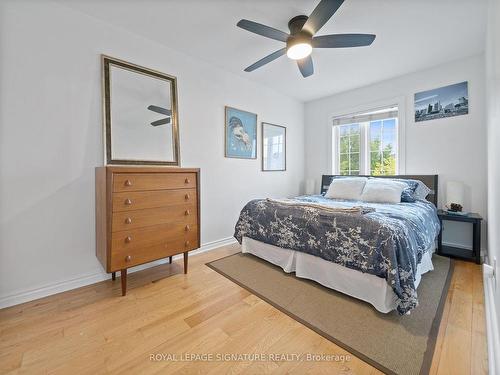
(446, 101)
(240, 134)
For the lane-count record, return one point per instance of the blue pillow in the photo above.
(408, 194)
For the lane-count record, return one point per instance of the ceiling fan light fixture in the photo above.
(299, 51)
(302, 37)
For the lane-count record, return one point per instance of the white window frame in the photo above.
(333, 147)
(368, 150)
(362, 143)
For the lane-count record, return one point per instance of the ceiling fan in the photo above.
(301, 40)
(163, 111)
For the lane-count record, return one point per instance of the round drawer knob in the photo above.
(128, 239)
(186, 181)
(128, 202)
(187, 212)
(128, 183)
(187, 243)
(128, 258)
(128, 220)
(186, 197)
(187, 228)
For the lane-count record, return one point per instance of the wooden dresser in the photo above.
(144, 214)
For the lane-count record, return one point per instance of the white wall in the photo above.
(51, 140)
(493, 126)
(454, 148)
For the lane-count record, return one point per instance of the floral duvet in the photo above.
(385, 240)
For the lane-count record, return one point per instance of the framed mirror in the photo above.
(140, 114)
(273, 147)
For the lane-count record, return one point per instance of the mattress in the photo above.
(363, 286)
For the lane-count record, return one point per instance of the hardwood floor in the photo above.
(93, 330)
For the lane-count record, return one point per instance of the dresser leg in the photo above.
(123, 274)
(170, 259)
(186, 262)
(113, 276)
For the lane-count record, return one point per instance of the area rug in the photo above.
(393, 344)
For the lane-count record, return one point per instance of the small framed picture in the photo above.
(240, 134)
(273, 147)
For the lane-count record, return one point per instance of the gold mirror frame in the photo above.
(106, 63)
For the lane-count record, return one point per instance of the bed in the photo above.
(377, 254)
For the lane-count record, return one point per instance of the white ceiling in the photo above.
(411, 35)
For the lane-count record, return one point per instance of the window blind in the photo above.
(374, 115)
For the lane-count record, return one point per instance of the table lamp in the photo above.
(454, 195)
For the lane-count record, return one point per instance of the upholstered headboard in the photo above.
(431, 180)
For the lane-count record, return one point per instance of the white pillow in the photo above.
(422, 191)
(346, 188)
(383, 191)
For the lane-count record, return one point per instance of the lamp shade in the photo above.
(454, 193)
(310, 185)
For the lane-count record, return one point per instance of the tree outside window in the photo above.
(368, 147)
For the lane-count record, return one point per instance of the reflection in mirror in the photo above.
(273, 147)
(140, 112)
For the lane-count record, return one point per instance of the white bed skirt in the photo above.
(364, 286)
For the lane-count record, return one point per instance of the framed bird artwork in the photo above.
(240, 134)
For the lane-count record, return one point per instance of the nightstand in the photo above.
(457, 252)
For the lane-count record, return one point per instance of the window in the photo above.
(367, 143)
(383, 146)
(349, 150)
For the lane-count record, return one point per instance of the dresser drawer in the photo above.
(137, 200)
(125, 258)
(126, 220)
(153, 181)
(143, 237)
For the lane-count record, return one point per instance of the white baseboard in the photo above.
(77, 282)
(492, 327)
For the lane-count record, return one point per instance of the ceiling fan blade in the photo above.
(342, 40)
(321, 14)
(263, 30)
(163, 111)
(161, 122)
(306, 66)
(265, 60)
